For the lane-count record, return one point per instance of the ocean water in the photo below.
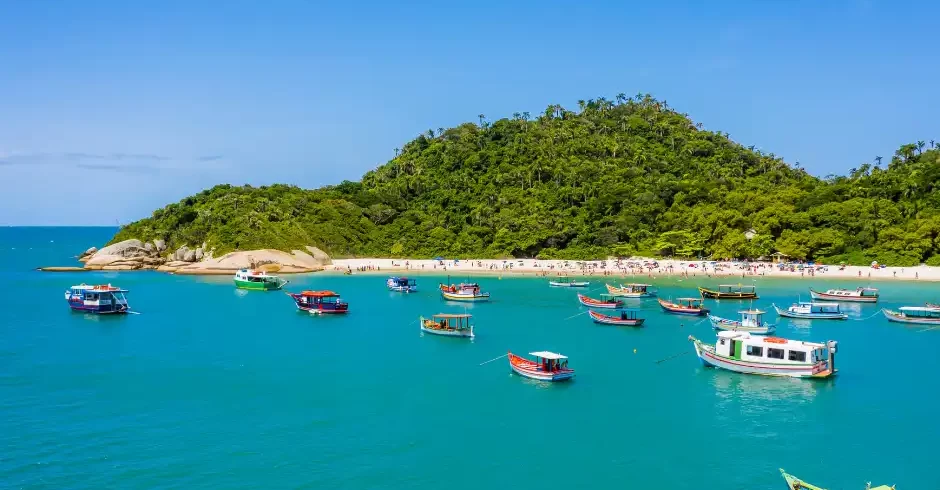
(211, 387)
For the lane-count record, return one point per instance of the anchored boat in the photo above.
(751, 321)
(858, 295)
(102, 299)
(450, 325)
(567, 282)
(631, 290)
(258, 280)
(402, 285)
(914, 314)
(320, 302)
(794, 483)
(729, 291)
(812, 311)
(607, 302)
(464, 292)
(547, 366)
(627, 318)
(684, 306)
(742, 352)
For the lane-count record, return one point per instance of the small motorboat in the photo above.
(547, 366)
(631, 291)
(858, 295)
(103, 299)
(463, 292)
(743, 352)
(751, 321)
(627, 318)
(258, 280)
(320, 302)
(730, 291)
(812, 311)
(606, 302)
(794, 483)
(402, 285)
(919, 315)
(567, 282)
(684, 306)
(450, 325)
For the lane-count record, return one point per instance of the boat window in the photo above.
(774, 353)
(753, 350)
(798, 356)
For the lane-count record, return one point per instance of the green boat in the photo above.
(794, 483)
(258, 281)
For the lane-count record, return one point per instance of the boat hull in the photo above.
(896, 317)
(678, 310)
(97, 310)
(711, 359)
(794, 482)
(725, 324)
(621, 293)
(593, 303)
(259, 286)
(842, 299)
(708, 293)
(465, 297)
(526, 368)
(323, 311)
(403, 289)
(810, 316)
(611, 320)
(568, 284)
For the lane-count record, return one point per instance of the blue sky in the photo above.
(139, 104)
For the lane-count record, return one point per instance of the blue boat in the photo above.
(101, 299)
(402, 285)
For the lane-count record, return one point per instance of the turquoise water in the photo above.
(210, 387)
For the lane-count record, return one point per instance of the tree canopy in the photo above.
(622, 177)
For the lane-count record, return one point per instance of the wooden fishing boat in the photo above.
(463, 292)
(449, 325)
(794, 483)
(812, 311)
(320, 302)
(933, 305)
(103, 299)
(730, 291)
(606, 302)
(914, 314)
(547, 366)
(568, 282)
(858, 295)
(751, 321)
(627, 318)
(743, 352)
(631, 290)
(402, 285)
(684, 306)
(258, 280)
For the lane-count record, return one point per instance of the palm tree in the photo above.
(440, 131)
(515, 116)
(431, 134)
(877, 161)
(525, 116)
(581, 104)
(621, 97)
(396, 152)
(482, 117)
(920, 147)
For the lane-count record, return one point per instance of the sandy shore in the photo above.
(651, 268)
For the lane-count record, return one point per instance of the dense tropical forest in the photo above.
(621, 177)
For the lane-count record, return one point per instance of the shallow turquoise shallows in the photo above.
(213, 387)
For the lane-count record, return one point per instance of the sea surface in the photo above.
(213, 387)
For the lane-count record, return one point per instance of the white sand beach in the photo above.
(651, 268)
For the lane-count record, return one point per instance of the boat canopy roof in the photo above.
(636, 284)
(544, 354)
(319, 294)
(452, 315)
(102, 288)
(752, 312)
(768, 341)
(688, 299)
(918, 308)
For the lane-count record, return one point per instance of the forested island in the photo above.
(629, 176)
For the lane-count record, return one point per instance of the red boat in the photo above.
(320, 302)
(684, 306)
(627, 318)
(547, 366)
(607, 301)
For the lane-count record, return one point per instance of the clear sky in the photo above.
(138, 104)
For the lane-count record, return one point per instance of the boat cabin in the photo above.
(752, 318)
(628, 314)
(636, 288)
(816, 308)
(550, 361)
(854, 293)
(449, 321)
(736, 288)
(320, 302)
(757, 348)
(402, 282)
(690, 303)
(920, 312)
(103, 298)
(255, 276)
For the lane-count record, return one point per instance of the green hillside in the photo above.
(622, 177)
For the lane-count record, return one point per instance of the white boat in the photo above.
(401, 285)
(858, 295)
(567, 282)
(743, 352)
(631, 291)
(921, 315)
(547, 366)
(751, 321)
(448, 325)
(813, 311)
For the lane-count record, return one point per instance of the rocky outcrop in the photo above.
(270, 260)
(190, 256)
(159, 244)
(319, 256)
(199, 254)
(180, 253)
(149, 247)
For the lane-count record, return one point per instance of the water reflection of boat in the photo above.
(764, 389)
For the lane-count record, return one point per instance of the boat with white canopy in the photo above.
(812, 311)
(743, 352)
